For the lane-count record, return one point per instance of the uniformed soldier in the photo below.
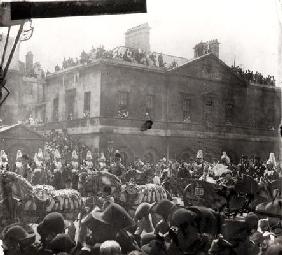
(88, 161)
(19, 165)
(200, 166)
(57, 180)
(4, 163)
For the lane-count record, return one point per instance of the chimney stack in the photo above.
(203, 48)
(138, 37)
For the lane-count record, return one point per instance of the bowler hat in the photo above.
(163, 208)
(115, 215)
(182, 216)
(52, 223)
(61, 243)
(15, 232)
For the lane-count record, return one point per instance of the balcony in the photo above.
(108, 124)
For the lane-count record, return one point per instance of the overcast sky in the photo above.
(246, 29)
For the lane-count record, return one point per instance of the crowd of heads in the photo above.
(136, 56)
(254, 77)
(165, 227)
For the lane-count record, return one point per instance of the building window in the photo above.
(150, 104)
(70, 103)
(86, 107)
(229, 112)
(186, 108)
(123, 99)
(56, 109)
(209, 112)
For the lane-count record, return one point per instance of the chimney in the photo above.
(200, 49)
(203, 48)
(29, 63)
(138, 37)
(213, 46)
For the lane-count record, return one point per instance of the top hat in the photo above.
(115, 215)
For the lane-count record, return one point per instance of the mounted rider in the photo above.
(57, 180)
(75, 170)
(199, 167)
(88, 161)
(271, 168)
(225, 160)
(102, 162)
(19, 163)
(259, 168)
(117, 168)
(39, 176)
(4, 163)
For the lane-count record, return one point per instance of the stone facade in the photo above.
(202, 104)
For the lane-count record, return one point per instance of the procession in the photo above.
(59, 203)
(140, 127)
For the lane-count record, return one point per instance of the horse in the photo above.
(34, 202)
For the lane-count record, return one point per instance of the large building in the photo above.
(195, 104)
(25, 81)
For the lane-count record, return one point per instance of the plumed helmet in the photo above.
(4, 157)
(200, 154)
(74, 155)
(225, 157)
(117, 154)
(40, 154)
(19, 155)
(271, 160)
(57, 154)
(102, 158)
(35, 158)
(88, 156)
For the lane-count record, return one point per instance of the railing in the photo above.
(173, 125)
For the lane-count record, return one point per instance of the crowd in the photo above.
(256, 77)
(165, 227)
(137, 56)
